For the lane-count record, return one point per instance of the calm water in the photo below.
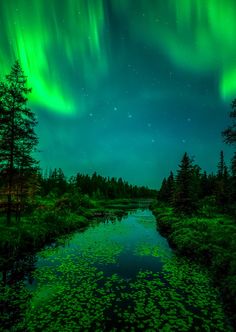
(123, 247)
(120, 275)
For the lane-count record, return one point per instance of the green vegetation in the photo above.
(146, 303)
(208, 239)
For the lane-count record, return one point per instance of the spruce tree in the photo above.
(185, 200)
(162, 193)
(18, 139)
(61, 182)
(170, 187)
(221, 165)
(167, 189)
(222, 191)
(229, 134)
(204, 185)
(233, 181)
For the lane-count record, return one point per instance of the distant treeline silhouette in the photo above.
(95, 186)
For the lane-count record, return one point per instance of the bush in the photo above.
(73, 202)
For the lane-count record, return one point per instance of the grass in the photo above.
(208, 240)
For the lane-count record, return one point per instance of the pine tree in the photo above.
(221, 166)
(166, 191)
(222, 191)
(205, 190)
(196, 182)
(233, 180)
(185, 200)
(162, 194)
(170, 187)
(61, 182)
(229, 134)
(18, 139)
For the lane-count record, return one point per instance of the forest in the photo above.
(194, 210)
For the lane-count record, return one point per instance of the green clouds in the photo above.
(44, 35)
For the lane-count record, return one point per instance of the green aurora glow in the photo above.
(194, 34)
(72, 28)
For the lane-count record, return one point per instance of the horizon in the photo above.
(46, 172)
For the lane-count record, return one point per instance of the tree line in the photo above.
(95, 186)
(190, 189)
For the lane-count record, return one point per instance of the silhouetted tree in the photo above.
(185, 197)
(233, 182)
(222, 188)
(205, 186)
(229, 134)
(18, 139)
(97, 186)
(196, 182)
(166, 191)
(162, 194)
(221, 166)
(61, 182)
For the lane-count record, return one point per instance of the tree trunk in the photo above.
(9, 205)
(11, 166)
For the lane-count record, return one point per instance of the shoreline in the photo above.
(31, 235)
(196, 238)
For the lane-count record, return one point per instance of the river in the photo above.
(119, 275)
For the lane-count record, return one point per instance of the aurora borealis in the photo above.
(125, 87)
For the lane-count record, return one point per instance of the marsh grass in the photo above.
(208, 239)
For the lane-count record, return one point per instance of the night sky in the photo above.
(125, 87)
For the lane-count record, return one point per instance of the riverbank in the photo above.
(50, 219)
(207, 240)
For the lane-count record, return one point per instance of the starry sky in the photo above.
(125, 87)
